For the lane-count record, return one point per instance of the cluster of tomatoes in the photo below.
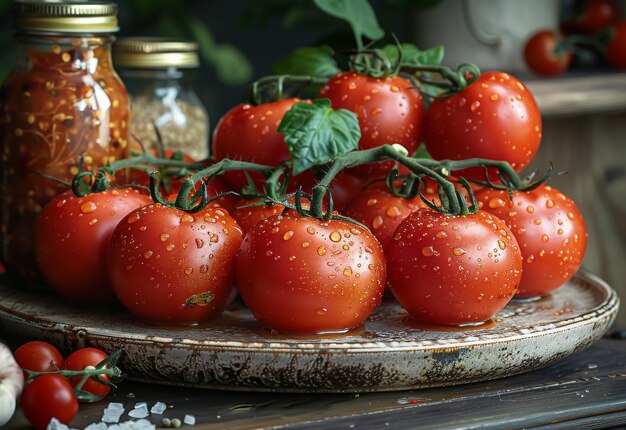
(298, 273)
(52, 395)
(599, 27)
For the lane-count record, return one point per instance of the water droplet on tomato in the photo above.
(287, 235)
(164, 237)
(61, 202)
(537, 221)
(269, 253)
(494, 97)
(335, 236)
(321, 311)
(545, 238)
(456, 251)
(265, 130)
(293, 257)
(93, 221)
(496, 202)
(560, 231)
(549, 203)
(213, 238)
(310, 230)
(501, 245)
(376, 111)
(372, 202)
(377, 222)
(170, 246)
(188, 270)
(369, 250)
(441, 234)
(186, 218)
(570, 215)
(204, 268)
(88, 207)
(321, 250)
(429, 251)
(147, 254)
(393, 211)
(352, 86)
(305, 244)
(347, 271)
(199, 243)
(475, 105)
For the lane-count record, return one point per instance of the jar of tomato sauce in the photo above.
(63, 108)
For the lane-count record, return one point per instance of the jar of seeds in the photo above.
(157, 73)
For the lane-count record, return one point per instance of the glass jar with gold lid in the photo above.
(62, 101)
(157, 73)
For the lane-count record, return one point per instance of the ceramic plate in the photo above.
(388, 352)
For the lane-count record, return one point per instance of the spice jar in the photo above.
(62, 101)
(157, 73)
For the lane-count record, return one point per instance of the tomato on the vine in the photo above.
(249, 213)
(169, 266)
(72, 238)
(545, 55)
(390, 110)
(82, 358)
(249, 133)
(300, 274)
(381, 211)
(46, 397)
(453, 270)
(550, 231)
(616, 46)
(38, 356)
(495, 117)
(597, 15)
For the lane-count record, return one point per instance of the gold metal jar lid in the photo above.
(66, 17)
(155, 53)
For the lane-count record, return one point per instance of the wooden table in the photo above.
(584, 391)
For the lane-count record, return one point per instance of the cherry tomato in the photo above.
(39, 357)
(168, 266)
(390, 110)
(47, 397)
(495, 117)
(616, 47)
(544, 56)
(550, 231)
(453, 270)
(597, 15)
(82, 358)
(72, 238)
(249, 133)
(300, 274)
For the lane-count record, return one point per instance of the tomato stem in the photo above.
(277, 83)
(447, 81)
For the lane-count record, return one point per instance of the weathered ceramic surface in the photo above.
(387, 353)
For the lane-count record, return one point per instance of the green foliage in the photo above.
(413, 56)
(312, 61)
(358, 13)
(316, 134)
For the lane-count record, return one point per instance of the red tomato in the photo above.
(249, 133)
(550, 231)
(47, 397)
(495, 118)
(300, 274)
(72, 237)
(82, 358)
(344, 189)
(598, 14)
(248, 213)
(541, 54)
(390, 110)
(168, 266)
(39, 357)
(380, 211)
(453, 270)
(616, 47)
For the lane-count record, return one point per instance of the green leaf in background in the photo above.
(311, 61)
(316, 134)
(358, 13)
(229, 63)
(413, 56)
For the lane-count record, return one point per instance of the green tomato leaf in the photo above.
(413, 56)
(358, 13)
(316, 134)
(311, 61)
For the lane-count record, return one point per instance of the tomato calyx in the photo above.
(107, 367)
(272, 88)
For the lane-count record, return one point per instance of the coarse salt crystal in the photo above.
(96, 426)
(190, 420)
(158, 408)
(55, 424)
(140, 412)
